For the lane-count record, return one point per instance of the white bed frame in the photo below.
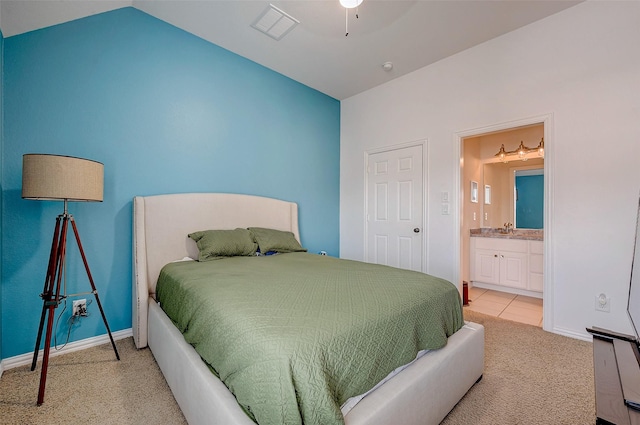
(423, 393)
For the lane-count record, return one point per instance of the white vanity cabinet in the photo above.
(536, 281)
(507, 264)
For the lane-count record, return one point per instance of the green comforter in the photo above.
(293, 336)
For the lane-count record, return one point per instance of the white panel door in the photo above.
(395, 208)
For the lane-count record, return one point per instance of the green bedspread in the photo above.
(293, 336)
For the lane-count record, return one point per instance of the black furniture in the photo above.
(617, 377)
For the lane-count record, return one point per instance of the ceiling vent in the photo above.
(275, 23)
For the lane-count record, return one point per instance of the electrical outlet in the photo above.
(80, 307)
(603, 303)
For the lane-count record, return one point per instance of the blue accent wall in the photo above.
(1, 179)
(530, 202)
(165, 112)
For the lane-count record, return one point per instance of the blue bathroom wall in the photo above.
(530, 202)
(165, 112)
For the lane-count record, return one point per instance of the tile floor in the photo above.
(518, 308)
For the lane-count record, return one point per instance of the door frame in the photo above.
(549, 172)
(367, 153)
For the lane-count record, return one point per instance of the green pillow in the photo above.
(214, 244)
(271, 240)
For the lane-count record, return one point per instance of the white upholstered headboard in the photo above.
(161, 224)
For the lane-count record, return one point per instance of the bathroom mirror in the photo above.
(516, 194)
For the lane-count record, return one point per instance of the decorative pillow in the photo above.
(213, 244)
(275, 240)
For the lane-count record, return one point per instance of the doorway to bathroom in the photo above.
(504, 228)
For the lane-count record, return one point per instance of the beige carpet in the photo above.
(91, 387)
(531, 377)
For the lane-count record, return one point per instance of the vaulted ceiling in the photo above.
(316, 52)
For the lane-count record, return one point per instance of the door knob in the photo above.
(416, 230)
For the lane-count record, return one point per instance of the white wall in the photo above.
(582, 66)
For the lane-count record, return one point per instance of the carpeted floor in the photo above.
(91, 387)
(531, 377)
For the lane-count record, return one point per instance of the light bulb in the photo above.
(522, 152)
(350, 4)
(502, 154)
(541, 148)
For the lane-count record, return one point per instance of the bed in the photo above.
(422, 393)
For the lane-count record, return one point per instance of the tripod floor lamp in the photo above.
(60, 178)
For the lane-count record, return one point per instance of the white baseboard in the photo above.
(507, 289)
(572, 334)
(27, 358)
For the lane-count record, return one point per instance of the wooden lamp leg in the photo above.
(51, 298)
(51, 295)
(47, 291)
(93, 286)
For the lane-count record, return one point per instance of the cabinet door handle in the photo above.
(416, 230)
(495, 255)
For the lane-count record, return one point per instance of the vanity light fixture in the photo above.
(522, 151)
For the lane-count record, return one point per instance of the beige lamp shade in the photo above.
(56, 177)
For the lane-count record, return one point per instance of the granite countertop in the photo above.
(528, 234)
